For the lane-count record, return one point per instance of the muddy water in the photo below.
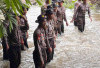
(74, 49)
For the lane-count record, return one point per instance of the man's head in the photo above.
(49, 14)
(49, 7)
(24, 10)
(60, 2)
(41, 19)
(55, 7)
(84, 1)
(47, 1)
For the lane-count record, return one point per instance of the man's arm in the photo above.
(64, 17)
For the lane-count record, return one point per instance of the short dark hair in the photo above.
(49, 11)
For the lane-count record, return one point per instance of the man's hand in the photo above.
(71, 21)
(66, 23)
(54, 45)
(24, 17)
(90, 19)
(7, 47)
(42, 63)
(50, 49)
(22, 41)
(46, 58)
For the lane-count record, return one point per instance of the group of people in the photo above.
(16, 38)
(51, 25)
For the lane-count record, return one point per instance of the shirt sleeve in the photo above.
(38, 45)
(89, 13)
(76, 11)
(64, 14)
(47, 41)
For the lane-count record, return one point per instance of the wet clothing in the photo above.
(61, 15)
(20, 33)
(76, 5)
(55, 23)
(5, 43)
(5, 51)
(39, 53)
(50, 29)
(14, 56)
(50, 55)
(81, 11)
(14, 47)
(24, 27)
(51, 35)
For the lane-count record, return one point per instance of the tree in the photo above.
(7, 7)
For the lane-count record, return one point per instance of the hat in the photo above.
(40, 18)
(49, 11)
(49, 7)
(54, 5)
(61, 1)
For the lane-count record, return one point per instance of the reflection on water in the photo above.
(74, 49)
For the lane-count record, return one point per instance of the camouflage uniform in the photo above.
(81, 16)
(5, 43)
(5, 51)
(55, 23)
(14, 47)
(51, 35)
(55, 17)
(24, 26)
(61, 15)
(39, 53)
(76, 5)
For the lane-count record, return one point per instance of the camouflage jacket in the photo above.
(81, 10)
(50, 29)
(39, 41)
(13, 36)
(24, 26)
(61, 15)
(76, 5)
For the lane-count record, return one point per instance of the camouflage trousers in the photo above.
(25, 42)
(81, 23)
(75, 23)
(55, 29)
(50, 55)
(5, 51)
(37, 60)
(14, 55)
(60, 27)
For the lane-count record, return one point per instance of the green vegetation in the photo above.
(7, 9)
(70, 4)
